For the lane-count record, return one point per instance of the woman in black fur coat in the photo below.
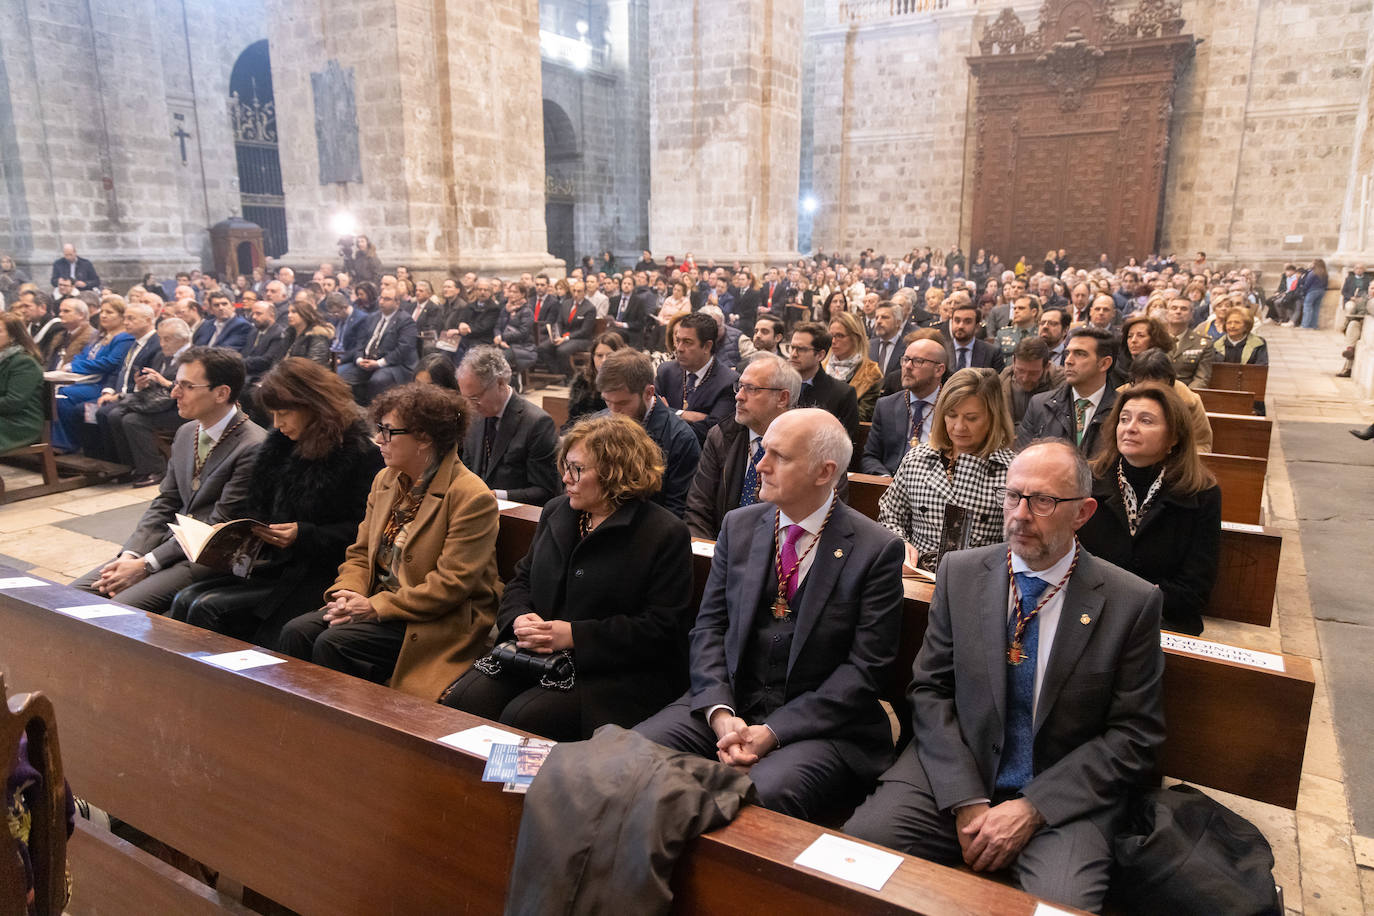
(310, 484)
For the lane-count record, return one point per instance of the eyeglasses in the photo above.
(1040, 504)
(749, 389)
(920, 361)
(187, 386)
(573, 470)
(798, 348)
(387, 433)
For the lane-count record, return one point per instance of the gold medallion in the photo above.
(1085, 620)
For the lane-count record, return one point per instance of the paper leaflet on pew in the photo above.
(516, 765)
(229, 547)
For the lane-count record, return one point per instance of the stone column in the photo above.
(449, 131)
(725, 139)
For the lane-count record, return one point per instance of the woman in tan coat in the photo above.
(849, 362)
(417, 592)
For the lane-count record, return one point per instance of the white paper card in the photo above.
(850, 861)
(242, 661)
(92, 611)
(22, 582)
(704, 548)
(479, 739)
(504, 504)
(1248, 529)
(1221, 651)
(1044, 909)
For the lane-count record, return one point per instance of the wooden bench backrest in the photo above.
(32, 715)
(329, 794)
(1238, 377)
(556, 407)
(1240, 434)
(1242, 485)
(1218, 400)
(859, 443)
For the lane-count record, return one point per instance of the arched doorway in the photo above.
(561, 162)
(253, 117)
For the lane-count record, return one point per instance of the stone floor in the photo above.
(1323, 865)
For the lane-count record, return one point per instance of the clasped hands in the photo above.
(993, 836)
(348, 607)
(740, 744)
(542, 636)
(119, 574)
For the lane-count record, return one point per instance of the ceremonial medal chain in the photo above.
(199, 463)
(780, 607)
(1015, 654)
(710, 368)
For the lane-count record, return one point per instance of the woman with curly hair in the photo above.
(417, 591)
(607, 583)
(309, 489)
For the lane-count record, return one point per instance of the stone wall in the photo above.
(86, 121)
(725, 89)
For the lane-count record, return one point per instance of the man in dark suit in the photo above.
(264, 350)
(905, 416)
(208, 478)
(80, 271)
(129, 426)
(389, 355)
(349, 324)
(810, 344)
(513, 446)
(1076, 409)
(800, 617)
(224, 327)
(727, 475)
(626, 383)
(1038, 708)
(696, 384)
(576, 328)
(886, 348)
(146, 351)
(969, 352)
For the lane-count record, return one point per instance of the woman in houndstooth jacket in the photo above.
(962, 466)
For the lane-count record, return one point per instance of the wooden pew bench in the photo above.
(1241, 434)
(1241, 479)
(1219, 400)
(1248, 567)
(1238, 377)
(1228, 711)
(331, 795)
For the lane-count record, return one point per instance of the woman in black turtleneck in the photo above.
(1159, 508)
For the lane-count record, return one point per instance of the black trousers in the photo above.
(230, 605)
(131, 438)
(519, 703)
(367, 650)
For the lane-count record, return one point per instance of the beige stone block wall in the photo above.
(725, 138)
(891, 103)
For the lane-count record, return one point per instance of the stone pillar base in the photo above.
(507, 265)
(754, 260)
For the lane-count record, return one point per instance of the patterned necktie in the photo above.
(689, 385)
(789, 558)
(374, 345)
(749, 493)
(1017, 767)
(203, 445)
(488, 441)
(918, 420)
(963, 357)
(1080, 414)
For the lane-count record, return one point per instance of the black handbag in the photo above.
(555, 670)
(1181, 852)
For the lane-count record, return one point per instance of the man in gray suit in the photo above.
(800, 617)
(1076, 409)
(1036, 699)
(208, 478)
(510, 444)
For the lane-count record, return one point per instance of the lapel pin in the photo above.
(838, 553)
(1085, 620)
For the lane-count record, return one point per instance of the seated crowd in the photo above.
(1044, 454)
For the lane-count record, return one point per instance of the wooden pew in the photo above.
(1238, 377)
(855, 460)
(41, 453)
(331, 795)
(1282, 705)
(1242, 486)
(1241, 434)
(556, 407)
(1218, 400)
(865, 490)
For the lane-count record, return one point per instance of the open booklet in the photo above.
(229, 547)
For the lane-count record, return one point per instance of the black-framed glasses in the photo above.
(387, 433)
(572, 470)
(1041, 504)
(799, 348)
(749, 389)
(920, 361)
